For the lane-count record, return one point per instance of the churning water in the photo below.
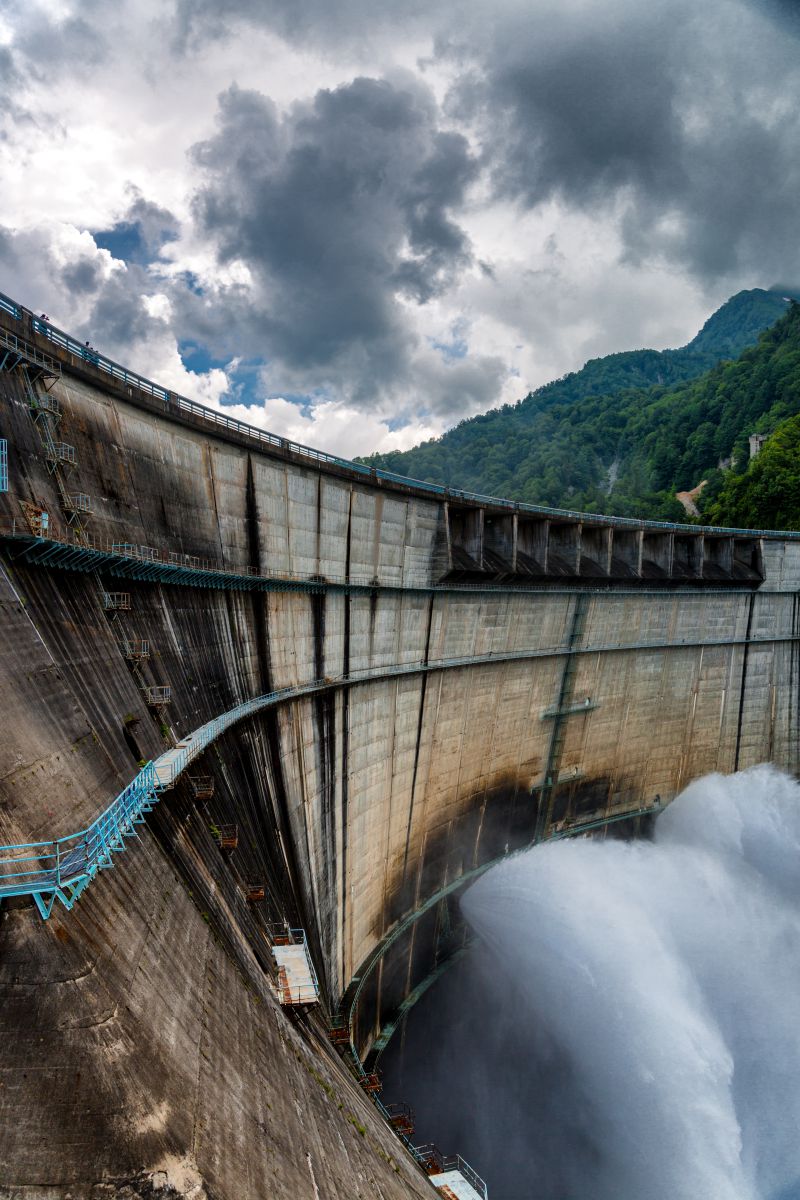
(627, 1025)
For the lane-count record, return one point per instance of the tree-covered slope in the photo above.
(585, 440)
(767, 494)
(671, 440)
(738, 323)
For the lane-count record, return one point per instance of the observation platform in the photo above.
(452, 1177)
(297, 980)
(454, 1186)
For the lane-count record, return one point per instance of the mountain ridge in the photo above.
(568, 443)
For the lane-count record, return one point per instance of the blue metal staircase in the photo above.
(61, 869)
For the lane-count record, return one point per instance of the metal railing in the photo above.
(60, 452)
(47, 402)
(62, 868)
(3, 465)
(173, 402)
(44, 402)
(298, 992)
(177, 564)
(456, 1162)
(202, 786)
(24, 351)
(433, 1162)
(135, 648)
(78, 502)
(117, 601)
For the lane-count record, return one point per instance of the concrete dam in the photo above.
(260, 701)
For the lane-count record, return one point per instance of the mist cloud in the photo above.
(627, 1025)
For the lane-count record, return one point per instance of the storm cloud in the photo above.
(681, 124)
(341, 211)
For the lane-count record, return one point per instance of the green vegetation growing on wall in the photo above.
(627, 431)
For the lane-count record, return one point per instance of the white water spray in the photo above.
(628, 1026)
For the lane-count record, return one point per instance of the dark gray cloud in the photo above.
(337, 224)
(338, 208)
(118, 317)
(156, 225)
(44, 48)
(573, 110)
(667, 116)
(8, 256)
(684, 125)
(11, 81)
(82, 276)
(785, 12)
(9, 74)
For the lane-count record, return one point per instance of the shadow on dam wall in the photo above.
(455, 722)
(412, 952)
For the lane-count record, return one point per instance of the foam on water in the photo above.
(628, 1025)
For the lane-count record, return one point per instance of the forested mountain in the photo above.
(627, 431)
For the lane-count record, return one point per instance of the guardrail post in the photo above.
(58, 863)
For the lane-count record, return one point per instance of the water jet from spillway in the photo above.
(625, 1026)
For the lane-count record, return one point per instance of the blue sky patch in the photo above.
(125, 241)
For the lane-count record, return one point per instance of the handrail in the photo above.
(10, 307)
(62, 867)
(25, 351)
(172, 400)
(179, 564)
(429, 1154)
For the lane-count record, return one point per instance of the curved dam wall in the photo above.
(486, 676)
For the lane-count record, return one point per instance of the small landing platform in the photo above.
(453, 1186)
(297, 979)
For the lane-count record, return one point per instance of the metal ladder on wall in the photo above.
(135, 651)
(46, 414)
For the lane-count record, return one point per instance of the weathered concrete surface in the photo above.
(135, 1042)
(139, 1032)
